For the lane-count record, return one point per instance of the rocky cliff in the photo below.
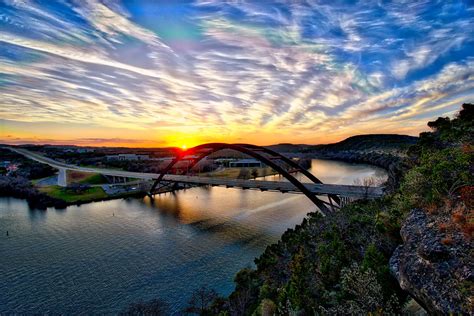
(435, 263)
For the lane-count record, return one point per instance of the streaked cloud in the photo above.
(261, 72)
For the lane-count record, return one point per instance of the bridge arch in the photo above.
(253, 151)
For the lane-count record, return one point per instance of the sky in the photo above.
(172, 73)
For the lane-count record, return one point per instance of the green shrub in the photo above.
(438, 175)
(362, 294)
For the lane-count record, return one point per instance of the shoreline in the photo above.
(42, 201)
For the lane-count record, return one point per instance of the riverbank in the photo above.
(54, 196)
(87, 195)
(21, 188)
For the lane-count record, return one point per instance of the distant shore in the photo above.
(393, 164)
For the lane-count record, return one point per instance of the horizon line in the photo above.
(26, 143)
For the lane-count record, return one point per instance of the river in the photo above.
(102, 256)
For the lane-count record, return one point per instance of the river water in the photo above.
(100, 257)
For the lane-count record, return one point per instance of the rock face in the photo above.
(437, 273)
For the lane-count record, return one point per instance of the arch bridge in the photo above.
(336, 194)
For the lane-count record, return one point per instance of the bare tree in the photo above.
(240, 302)
(154, 307)
(254, 173)
(201, 301)
(368, 183)
(243, 173)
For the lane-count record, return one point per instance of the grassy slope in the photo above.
(93, 193)
(85, 177)
(94, 179)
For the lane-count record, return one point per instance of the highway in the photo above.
(349, 191)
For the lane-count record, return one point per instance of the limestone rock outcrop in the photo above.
(436, 271)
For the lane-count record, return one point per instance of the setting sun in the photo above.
(184, 147)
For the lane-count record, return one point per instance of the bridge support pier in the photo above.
(62, 177)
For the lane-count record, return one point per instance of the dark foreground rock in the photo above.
(437, 270)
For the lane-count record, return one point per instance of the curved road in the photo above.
(350, 191)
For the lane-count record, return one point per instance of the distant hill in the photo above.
(371, 142)
(288, 148)
(358, 142)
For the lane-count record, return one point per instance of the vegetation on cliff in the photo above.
(325, 265)
(435, 263)
(340, 263)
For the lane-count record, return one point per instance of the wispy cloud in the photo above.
(300, 71)
(10, 140)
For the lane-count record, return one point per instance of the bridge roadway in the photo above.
(350, 191)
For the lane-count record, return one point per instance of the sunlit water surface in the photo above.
(99, 257)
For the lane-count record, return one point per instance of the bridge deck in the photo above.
(282, 186)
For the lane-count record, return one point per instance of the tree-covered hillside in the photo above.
(369, 142)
